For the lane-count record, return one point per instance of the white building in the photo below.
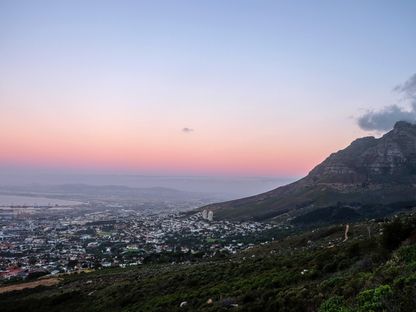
(210, 215)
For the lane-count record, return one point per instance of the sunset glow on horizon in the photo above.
(108, 86)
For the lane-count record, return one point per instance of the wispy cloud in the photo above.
(187, 130)
(385, 118)
(408, 89)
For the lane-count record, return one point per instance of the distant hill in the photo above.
(155, 199)
(371, 177)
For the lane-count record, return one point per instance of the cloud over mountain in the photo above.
(385, 118)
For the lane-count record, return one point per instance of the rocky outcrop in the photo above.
(369, 160)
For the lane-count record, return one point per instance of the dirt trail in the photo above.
(347, 229)
(41, 282)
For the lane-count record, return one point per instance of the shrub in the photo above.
(372, 300)
(394, 233)
(334, 304)
(407, 253)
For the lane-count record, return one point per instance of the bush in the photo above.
(394, 233)
(407, 253)
(372, 300)
(334, 304)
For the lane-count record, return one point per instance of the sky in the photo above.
(240, 88)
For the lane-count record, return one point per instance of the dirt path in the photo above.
(347, 229)
(41, 282)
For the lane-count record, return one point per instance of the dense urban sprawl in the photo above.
(53, 241)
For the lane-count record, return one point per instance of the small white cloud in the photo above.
(187, 130)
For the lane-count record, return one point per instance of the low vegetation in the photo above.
(374, 270)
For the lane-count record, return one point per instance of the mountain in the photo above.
(371, 177)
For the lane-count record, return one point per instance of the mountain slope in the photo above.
(368, 172)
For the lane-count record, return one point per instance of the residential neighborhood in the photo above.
(53, 241)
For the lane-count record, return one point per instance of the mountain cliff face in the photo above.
(368, 176)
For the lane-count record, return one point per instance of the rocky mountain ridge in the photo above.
(370, 171)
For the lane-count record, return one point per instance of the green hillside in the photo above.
(373, 270)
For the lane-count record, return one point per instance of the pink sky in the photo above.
(114, 145)
(269, 89)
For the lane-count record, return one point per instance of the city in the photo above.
(53, 241)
